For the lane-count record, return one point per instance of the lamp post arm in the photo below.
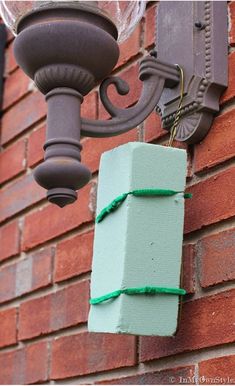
(155, 75)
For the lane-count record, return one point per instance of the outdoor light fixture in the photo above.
(68, 47)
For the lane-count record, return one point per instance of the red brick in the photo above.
(153, 128)
(188, 269)
(19, 195)
(74, 256)
(131, 76)
(7, 282)
(221, 370)
(189, 164)
(89, 353)
(35, 146)
(41, 267)
(204, 323)
(229, 93)
(65, 308)
(12, 161)
(53, 221)
(24, 366)
(9, 240)
(10, 62)
(216, 253)
(93, 149)
(175, 376)
(180, 145)
(130, 47)
(12, 93)
(89, 106)
(150, 23)
(212, 201)
(26, 275)
(8, 327)
(184, 146)
(232, 23)
(22, 116)
(218, 146)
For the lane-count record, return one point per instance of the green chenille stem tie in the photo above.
(138, 193)
(136, 291)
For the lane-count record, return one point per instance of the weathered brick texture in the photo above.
(52, 223)
(8, 327)
(216, 258)
(219, 144)
(22, 116)
(230, 91)
(213, 201)
(93, 150)
(26, 275)
(9, 240)
(12, 93)
(204, 323)
(19, 195)
(130, 47)
(220, 370)
(149, 37)
(174, 376)
(73, 256)
(35, 146)
(188, 268)
(24, 366)
(81, 352)
(46, 252)
(13, 161)
(64, 308)
(152, 128)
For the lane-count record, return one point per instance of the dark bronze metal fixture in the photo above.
(68, 50)
(196, 39)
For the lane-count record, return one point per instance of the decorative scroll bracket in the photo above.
(193, 34)
(155, 75)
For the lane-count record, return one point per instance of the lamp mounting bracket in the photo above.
(193, 34)
(190, 34)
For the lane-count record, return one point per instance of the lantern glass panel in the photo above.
(124, 14)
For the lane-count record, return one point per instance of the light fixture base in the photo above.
(193, 34)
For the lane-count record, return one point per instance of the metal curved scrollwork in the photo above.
(154, 74)
(121, 87)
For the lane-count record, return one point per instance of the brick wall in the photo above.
(45, 258)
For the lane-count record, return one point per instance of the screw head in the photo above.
(200, 25)
(153, 53)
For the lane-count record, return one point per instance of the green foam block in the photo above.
(140, 244)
